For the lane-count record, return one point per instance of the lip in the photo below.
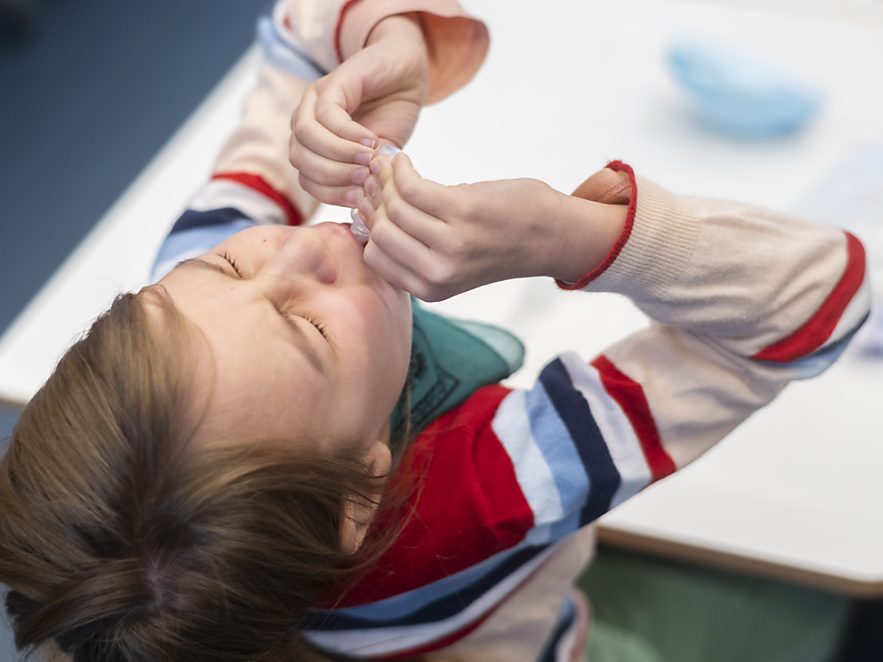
(351, 238)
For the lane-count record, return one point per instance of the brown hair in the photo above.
(119, 541)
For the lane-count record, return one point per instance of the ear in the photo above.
(357, 514)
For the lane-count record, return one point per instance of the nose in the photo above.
(306, 253)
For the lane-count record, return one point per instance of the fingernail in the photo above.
(389, 150)
(371, 186)
(375, 167)
(369, 142)
(363, 158)
(352, 195)
(360, 175)
(366, 208)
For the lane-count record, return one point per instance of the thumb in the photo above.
(606, 186)
(393, 119)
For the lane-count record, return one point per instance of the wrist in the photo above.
(585, 233)
(399, 27)
(400, 40)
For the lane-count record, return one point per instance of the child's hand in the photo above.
(436, 241)
(376, 93)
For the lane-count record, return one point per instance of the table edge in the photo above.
(683, 551)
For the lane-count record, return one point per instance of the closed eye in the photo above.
(319, 326)
(316, 324)
(231, 262)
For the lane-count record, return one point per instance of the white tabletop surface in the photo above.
(568, 86)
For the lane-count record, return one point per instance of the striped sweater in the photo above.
(511, 478)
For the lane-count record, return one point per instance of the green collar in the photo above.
(450, 360)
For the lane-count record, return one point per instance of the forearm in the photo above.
(745, 301)
(257, 148)
(744, 276)
(333, 30)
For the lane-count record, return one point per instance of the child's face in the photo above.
(271, 373)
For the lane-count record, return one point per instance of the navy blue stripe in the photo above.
(567, 618)
(575, 413)
(200, 219)
(446, 607)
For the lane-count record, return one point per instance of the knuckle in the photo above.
(408, 189)
(300, 131)
(324, 110)
(394, 210)
(305, 183)
(442, 274)
(369, 254)
(456, 248)
(380, 232)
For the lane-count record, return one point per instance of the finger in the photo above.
(331, 103)
(606, 186)
(402, 247)
(344, 196)
(426, 195)
(390, 270)
(373, 189)
(309, 135)
(313, 136)
(367, 211)
(327, 172)
(425, 228)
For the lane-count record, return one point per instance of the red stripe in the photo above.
(339, 27)
(469, 505)
(816, 331)
(259, 184)
(616, 166)
(629, 395)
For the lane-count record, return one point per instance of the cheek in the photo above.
(378, 335)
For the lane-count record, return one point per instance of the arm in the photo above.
(736, 317)
(508, 476)
(743, 301)
(253, 181)
(389, 58)
(331, 31)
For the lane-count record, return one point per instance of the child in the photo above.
(265, 443)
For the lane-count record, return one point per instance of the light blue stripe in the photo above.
(194, 241)
(820, 360)
(553, 440)
(283, 55)
(403, 604)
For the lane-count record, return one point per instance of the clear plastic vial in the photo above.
(358, 228)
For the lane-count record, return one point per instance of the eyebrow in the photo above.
(302, 341)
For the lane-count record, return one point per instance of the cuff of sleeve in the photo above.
(456, 42)
(654, 247)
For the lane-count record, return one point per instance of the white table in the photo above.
(569, 85)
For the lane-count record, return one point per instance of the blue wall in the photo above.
(85, 102)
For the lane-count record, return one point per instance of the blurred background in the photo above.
(90, 90)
